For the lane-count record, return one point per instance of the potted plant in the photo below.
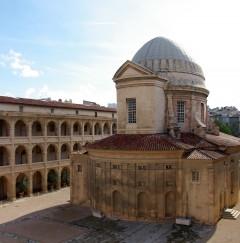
(52, 180)
(22, 186)
(65, 178)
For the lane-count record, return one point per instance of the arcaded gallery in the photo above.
(37, 137)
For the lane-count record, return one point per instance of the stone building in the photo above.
(37, 136)
(167, 159)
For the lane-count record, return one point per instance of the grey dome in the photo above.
(163, 55)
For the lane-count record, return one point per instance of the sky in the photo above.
(72, 49)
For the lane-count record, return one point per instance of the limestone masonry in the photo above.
(167, 159)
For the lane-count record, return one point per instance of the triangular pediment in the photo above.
(131, 69)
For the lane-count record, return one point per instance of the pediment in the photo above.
(131, 69)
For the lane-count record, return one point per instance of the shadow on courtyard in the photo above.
(68, 223)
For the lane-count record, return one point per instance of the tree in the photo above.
(225, 128)
(23, 184)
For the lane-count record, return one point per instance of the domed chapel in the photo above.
(168, 159)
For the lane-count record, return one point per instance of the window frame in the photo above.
(181, 111)
(195, 176)
(131, 110)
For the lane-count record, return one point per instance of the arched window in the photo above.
(97, 129)
(117, 203)
(51, 153)
(4, 128)
(37, 182)
(3, 188)
(169, 204)
(37, 154)
(20, 129)
(36, 129)
(142, 204)
(4, 156)
(20, 155)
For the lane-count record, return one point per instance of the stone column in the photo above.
(12, 188)
(211, 208)
(59, 179)
(29, 131)
(30, 189)
(179, 194)
(44, 181)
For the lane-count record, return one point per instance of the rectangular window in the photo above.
(142, 167)
(131, 110)
(168, 167)
(195, 176)
(181, 111)
(142, 184)
(21, 108)
(79, 168)
(95, 114)
(170, 183)
(76, 112)
(98, 165)
(202, 112)
(116, 167)
(52, 110)
(116, 182)
(112, 115)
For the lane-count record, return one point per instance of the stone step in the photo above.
(230, 214)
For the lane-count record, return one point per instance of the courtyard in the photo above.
(51, 218)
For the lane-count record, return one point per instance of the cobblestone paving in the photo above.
(107, 230)
(72, 224)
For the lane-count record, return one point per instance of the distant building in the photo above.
(168, 158)
(112, 105)
(37, 136)
(228, 115)
(90, 103)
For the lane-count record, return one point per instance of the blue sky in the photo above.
(71, 49)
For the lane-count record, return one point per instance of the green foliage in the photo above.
(52, 179)
(65, 176)
(23, 184)
(225, 128)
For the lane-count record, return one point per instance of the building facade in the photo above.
(37, 137)
(168, 158)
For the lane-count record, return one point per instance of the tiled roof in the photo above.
(54, 104)
(139, 142)
(223, 139)
(196, 141)
(195, 147)
(204, 155)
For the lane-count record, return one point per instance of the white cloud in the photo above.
(75, 94)
(19, 66)
(29, 92)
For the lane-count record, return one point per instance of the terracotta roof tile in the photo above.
(223, 139)
(139, 142)
(54, 104)
(197, 141)
(204, 155)
(195, 146)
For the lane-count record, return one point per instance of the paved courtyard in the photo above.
(50, 218)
